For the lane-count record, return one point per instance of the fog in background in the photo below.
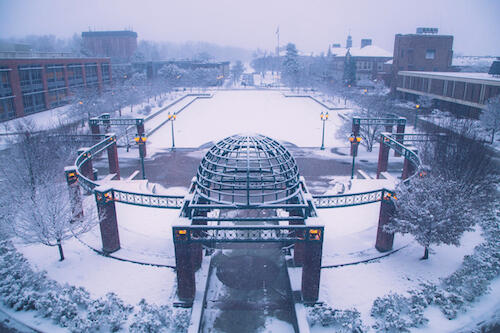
(312, 25)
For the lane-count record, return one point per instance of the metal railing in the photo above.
(348, 200)
(230, 234)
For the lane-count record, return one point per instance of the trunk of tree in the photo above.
(492, 135)
(59, 246)
(120, 110)
(426, 254)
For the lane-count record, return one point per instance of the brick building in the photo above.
(118, 45)
(423, 51)
(29, 85)
(369, 62)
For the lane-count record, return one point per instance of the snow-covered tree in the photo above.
(291, 67)
(490, 117)
(237, 70)
(39, 207)
(434, 210)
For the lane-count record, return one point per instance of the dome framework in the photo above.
(247, 172)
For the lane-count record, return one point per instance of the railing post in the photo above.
(107, 219)
(186, 284)
(383, 157)
(311, 271)
(86, 168)
(384, 240)
(140, 132)
(356, 126)
(197, 248)
(408, 167)
(112, 150)
(400, 129)
(106, 121)
(74, 193)
(94, 128)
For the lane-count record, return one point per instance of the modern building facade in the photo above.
(424, 51)
(464, 94)
(30, 85)
(118, 45)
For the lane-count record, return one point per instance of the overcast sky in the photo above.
(310, 24)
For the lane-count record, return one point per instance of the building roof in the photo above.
(119, 33)
(367, 51)
(495, 68)
(483, 78)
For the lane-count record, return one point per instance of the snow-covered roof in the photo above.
(467, 76)
(367, 51)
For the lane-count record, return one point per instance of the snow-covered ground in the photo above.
(349, 235)
(295, 120)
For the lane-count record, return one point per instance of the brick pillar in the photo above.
(45, 88)
(86, 168)
(114, 167)
(186, 284)
(74, 193)
(383, 157)
(400, 129)
(298, 248)
(99, 76)
(15, 84)
(408, 168)
(107, 220)
(311, 271)
(355, 129)
(384, 240)
(140, 132)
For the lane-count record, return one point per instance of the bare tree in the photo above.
(490, 117)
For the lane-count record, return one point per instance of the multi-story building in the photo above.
(118, 45)
(423, 51)
(32, 83)
(369, 62)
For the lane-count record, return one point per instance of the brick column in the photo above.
(355, 129)
(408, 168)
(107, 220)
(114, 167)
(45, 87)
(15, 84)
(186, 284)
(298, 248)
(311, 271)
(384, 240)
(86, 168)
(400, 129)
(383, 157)
(74, 193)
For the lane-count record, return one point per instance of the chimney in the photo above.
(366, 42)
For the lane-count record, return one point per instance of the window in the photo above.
(30, 78)
(33, 102)
(380, 66)
(7, 108)
(430, 54)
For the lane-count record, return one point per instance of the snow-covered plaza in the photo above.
(353, 272)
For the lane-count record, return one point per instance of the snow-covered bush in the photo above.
(337, 320)
(397, 313)
(154, 318)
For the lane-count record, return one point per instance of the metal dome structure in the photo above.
(247, 171)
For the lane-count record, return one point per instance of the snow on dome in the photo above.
(247, 170)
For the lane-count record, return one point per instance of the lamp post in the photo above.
(323, 117)
(172, 118)
(355, 140)
(141, 141)
(416, 114)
